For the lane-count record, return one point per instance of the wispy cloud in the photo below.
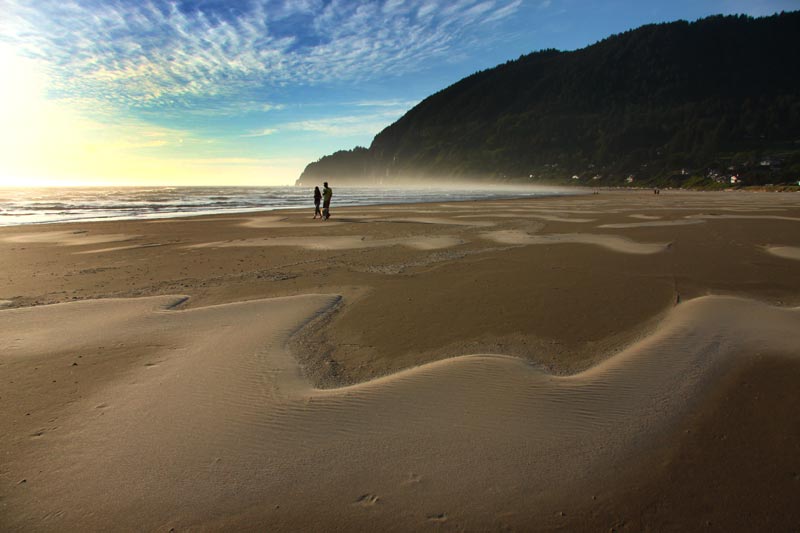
(400, 104)
(225, 161)
(348, 125)
(272, 107)
(261, 133)
(160, 54)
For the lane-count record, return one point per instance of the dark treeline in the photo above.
(668, 104)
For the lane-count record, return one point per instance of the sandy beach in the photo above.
(620, 361)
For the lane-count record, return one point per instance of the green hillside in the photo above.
(669, 104)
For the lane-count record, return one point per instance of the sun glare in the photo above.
(45, 142)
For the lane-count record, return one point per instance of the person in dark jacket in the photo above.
(327, 194)
(317, 199)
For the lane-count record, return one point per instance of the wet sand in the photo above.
(526, 365)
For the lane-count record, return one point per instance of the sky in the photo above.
(248, 92)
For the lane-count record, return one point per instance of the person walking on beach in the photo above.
(317, 199)
(327, 193)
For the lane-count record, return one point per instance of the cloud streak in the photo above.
(161, 54)
(347, 125)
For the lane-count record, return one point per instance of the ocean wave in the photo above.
(49, 205)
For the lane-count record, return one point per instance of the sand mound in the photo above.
(68, 238)
(284, 222)
(610, 242)
(742, 217)
(653, 224)
(212, 424)
(440, 221)
(119, 248)
(550, 218)
(787, 252)
(342, 242)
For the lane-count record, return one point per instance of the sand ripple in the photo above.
(220, 429)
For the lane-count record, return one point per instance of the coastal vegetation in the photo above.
(706, 104)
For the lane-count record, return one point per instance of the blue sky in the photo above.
(250, 91)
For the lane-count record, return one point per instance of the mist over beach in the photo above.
(47, 205)
(399, 266)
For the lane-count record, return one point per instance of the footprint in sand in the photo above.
(413, 479)
(367, 500)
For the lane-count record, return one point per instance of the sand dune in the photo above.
(344, 242)
(610, 242)
(213, 425)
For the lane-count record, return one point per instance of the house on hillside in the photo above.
(770, 162)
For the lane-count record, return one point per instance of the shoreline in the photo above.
(173, 212)
(559, 191)
(584, 355)
(562, 191)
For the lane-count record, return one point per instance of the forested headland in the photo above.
(699, 104)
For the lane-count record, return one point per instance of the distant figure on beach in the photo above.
(317, 199)
(327, 193)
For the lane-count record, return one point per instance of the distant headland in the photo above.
(713, 103)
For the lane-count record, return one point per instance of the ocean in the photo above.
(70, 204)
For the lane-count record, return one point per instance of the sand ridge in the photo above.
(654, 224)
(325, 242)
(271, 222)
(787, 252)
(120, 248)
(610, 242)
(551, 218)
(742, 217)
(187, 449)
(68, 238)
(440, 221)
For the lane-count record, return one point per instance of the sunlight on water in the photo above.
(43, 205)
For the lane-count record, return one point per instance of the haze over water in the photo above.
(48, 205)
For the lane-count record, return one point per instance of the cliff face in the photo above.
(668, 104)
